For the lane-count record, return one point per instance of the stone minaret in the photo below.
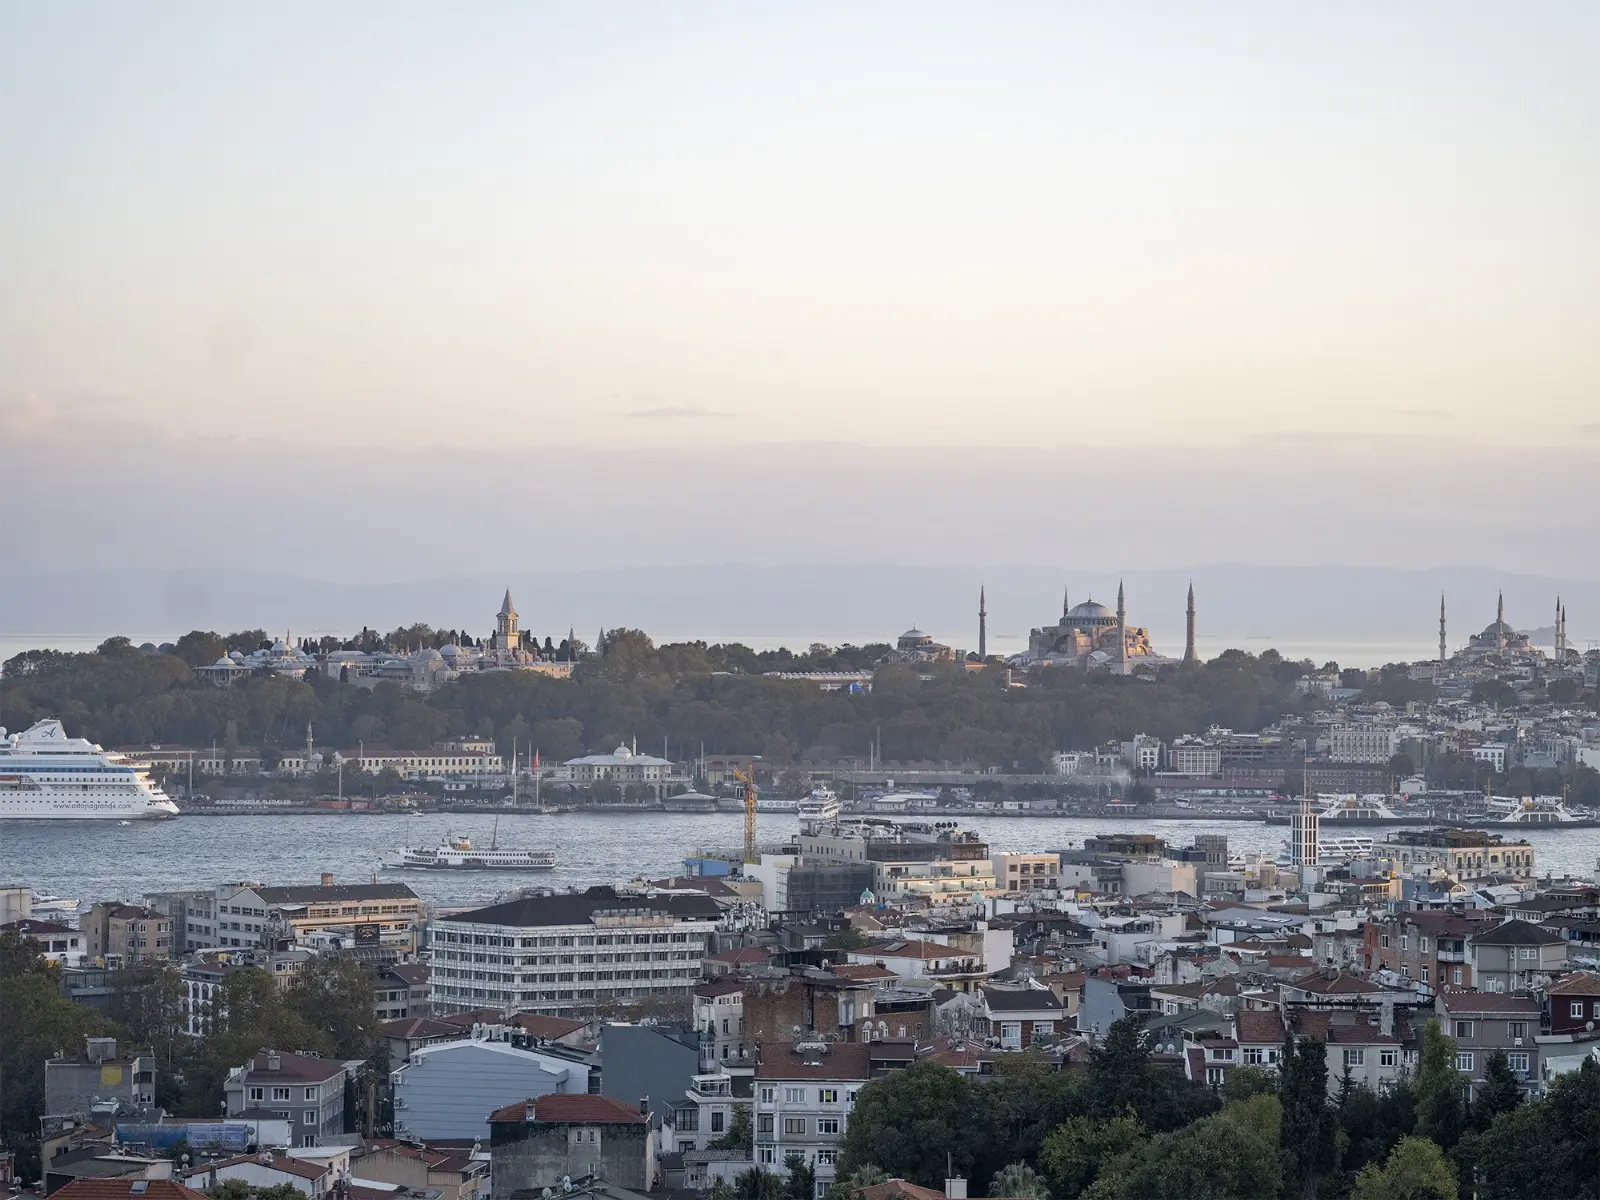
(1443, 651)
(1066, 603)
(1188, 641)
(1500, 623)
(983, 628)
(1122, 631)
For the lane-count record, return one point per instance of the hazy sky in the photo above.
(891, 224)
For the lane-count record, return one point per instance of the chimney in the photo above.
(1386, 1017)
(273, 1061)
(644, 1106)
(955, 1189)
(327, 879)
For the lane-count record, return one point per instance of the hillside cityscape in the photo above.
(819, 601)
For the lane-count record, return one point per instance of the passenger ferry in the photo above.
(47, 776)
(1534, 810)
(457, 854)
(1355, 808)
(821, 805)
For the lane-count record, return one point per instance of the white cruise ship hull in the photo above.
(47, 776)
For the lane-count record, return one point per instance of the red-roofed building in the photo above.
(264, 1170)
(1575, 1003)
(457, 1175)
(127, 1188)
(535, 1143)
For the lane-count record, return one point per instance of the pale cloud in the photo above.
(678, 412)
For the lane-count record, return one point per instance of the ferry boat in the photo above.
(1534, 810)
(1355, 808)
(47, 776)
(458, 854)
(821, 805)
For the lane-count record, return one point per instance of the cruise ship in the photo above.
(47, 776)
(457, 854)
(821, 805)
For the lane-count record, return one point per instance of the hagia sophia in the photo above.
(1092, 636)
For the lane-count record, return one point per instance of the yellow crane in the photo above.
(749, 781)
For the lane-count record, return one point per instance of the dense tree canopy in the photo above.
(688, 694)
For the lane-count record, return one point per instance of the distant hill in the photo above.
(1253, 606)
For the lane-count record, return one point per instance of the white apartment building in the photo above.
(1361, 743)
(562, 954)
(622, 765)
(805, 1092)
(1143, 753)
(61, 945)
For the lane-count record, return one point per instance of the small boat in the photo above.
(124, 822)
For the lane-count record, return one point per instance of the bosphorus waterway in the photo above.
(93, 860)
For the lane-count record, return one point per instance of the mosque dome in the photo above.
(427, 655)
(449, 651)
(1091, 611)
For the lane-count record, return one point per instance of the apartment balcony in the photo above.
(711, 1085)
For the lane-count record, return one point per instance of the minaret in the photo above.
(1065, 605)
(1443, 651)
(1188, 641)
(1500, 623)
(1122, 631)
(983, 627)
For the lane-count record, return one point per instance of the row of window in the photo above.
(282, 1093)
(531, 943)
(565, 976)
(550, 960)
(802, 1095)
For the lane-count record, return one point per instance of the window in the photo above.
(829, 1125)
(1575, 1009)
(827, 1158)
(1214, 1076)
(1424, 973)
(256, 1093)
(828, 1096)
(768, 1094)
(1463, 1029)
(1386, 1058)
(1355, 1056)
(768, 1156)
(718, 1120)
(1517, 1029)
(1455, 975)
(1405, 941)
(280, 1093)
(308, 1116)
(1384, 941)
(794, 1095)
(1252, 1056)
(1517, 1060)
(1464, 1063)
(794, 1125)
(1530, 954)
(764, 1123)
(311, 1094)
(1422, 944)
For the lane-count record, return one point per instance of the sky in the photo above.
(1062, 227)
(369, 293)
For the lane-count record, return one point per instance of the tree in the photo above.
(756, 1184)
(1438, 1088)
(334, 995)
(1416, 1170)
(1497, 1093)
(1077, 1150)
(1545, 1148)
(1019, 1180)
(1230, 1155)
(910, 1123)
(740, 1133)
(865, 1176)
(200, 649)
(802, 1181)
(1309, 1126)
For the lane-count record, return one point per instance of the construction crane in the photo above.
(749, 781)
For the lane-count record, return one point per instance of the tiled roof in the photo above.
(551, 1028)
(575, 1108)
(841, 1060)
(1342, 984)
(748, 956)
(413, 973)
(902, 949)
(1516, 933)
(316, 893)
(300, 1168)
(1578, 983)
(411, 1027)
(1257, 1027)
(28, 927)
(1488, 1002)
(297, 1067)
(718, 987)
(124, 1189)
(1020, 1000)
(896, 1189)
